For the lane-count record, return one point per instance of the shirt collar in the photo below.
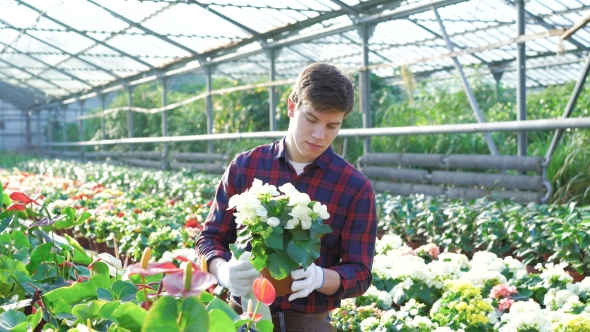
(322, 161)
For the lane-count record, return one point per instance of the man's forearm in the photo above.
(331, 282)
(214, 265)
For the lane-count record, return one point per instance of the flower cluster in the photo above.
(283, 226)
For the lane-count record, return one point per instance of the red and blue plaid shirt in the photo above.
(330, 180)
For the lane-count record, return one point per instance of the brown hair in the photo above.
(323, 87)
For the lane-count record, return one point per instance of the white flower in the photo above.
(321, 210)
(288, 189)
(291, 223)
(111, 260)
(260, 189)
(273, 221)
(297, 198)
(302, 212)
(369, 323)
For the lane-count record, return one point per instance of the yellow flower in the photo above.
(461, 306)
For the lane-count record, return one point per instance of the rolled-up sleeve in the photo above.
(357, 246)
(219, 230)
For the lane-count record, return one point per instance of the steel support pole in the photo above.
(209, 105)
(365, 31)
(50, 116)
(466, 87)
(569, 109)
(64, 130)
(81, 128)
(103, 125)
(521, 78)
(165, 146)
(130, 115)
(273, 54)
(28, 139)
(38, 134)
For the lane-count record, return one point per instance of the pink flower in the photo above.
(502, 291)
(505, 304)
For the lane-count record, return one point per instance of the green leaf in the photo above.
(275, 240)
(123, 291)
(194, 316)
(259, 257)
(34, 319)
(101, 268)
(80, 255)
(79, 291)
(6, 199)
(206, 297)
(58, 306)
(39, 255)
(9, 266)
(219, 321)
(20, 240)
(104, 295)
(106, 310)
(162, 316)
(219, 304)
(131, 317)
(304, 252)
(280, 266)
(319, 229)
(300, 234)
(85, 215)
(86, 311)
(10, 319)
(264, 326)
(5, 219)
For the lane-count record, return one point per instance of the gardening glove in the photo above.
(306, 281)
(237, 275)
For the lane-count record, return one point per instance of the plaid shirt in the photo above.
(331, 180)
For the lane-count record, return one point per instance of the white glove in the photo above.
(306, 281)
(237, 275)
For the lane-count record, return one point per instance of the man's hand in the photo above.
(306, 281)
(237, 275)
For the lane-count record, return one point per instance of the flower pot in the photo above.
(282, 287)
(531, 269)
(577, 276)
(101, 247)
(84, 243)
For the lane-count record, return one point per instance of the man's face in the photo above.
(310, 132)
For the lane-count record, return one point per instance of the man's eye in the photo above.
(310, 120)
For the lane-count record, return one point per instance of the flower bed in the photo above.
(422, 290)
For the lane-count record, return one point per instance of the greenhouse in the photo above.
(450, 192)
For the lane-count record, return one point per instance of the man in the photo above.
(321, 98)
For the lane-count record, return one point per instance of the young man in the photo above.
(321, 98)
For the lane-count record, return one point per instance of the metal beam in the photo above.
(470, 95)
(521, 143)
(569, 109)
(32, 74)
(464, 128)
(229, 20)
(146, 30)
(166, 146)
(65, 52)
(87, 35)
(352, 13)
(209, 104)
(579, 25)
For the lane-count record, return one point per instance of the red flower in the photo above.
(120, 214)
(264, 291)
(16, 207)
(171, 202)
(250, 315)
(192, 223)
(137, 211)
(209, 203)
(23, 198)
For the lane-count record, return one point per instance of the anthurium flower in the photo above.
(16, 207)
(264, 291)
(111, 260)
(189, 283)
(23, 198)
(152, 268)
(249, 315)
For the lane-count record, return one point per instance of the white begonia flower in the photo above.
(584, 285)
(261, 211)
(288, 189)
(302, 212)
(368, 323)
(298, 198)
(291, 223)
(260, 189)
(321, 210)
(111, 260)
(273, 221)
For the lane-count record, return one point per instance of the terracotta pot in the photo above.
(282, 287)
(92, 244)
(531, 269)
(84, 243)
(577, 277)
(101, 247)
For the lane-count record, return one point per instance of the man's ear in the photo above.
(290, 108)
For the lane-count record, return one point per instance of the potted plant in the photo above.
(283, 227)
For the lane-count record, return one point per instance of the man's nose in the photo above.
(319, 132)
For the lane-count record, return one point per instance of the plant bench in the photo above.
(521, 178)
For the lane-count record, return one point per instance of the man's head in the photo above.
(323, 88)
(322, 97)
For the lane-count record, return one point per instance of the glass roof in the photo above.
(58, 49)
